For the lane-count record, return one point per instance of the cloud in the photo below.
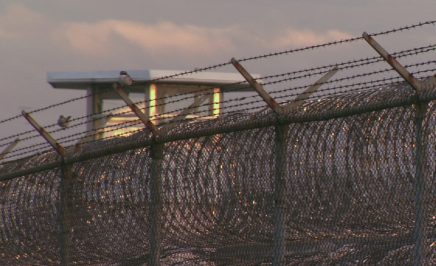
(20, 22)
(168, 39)
(116, 40)
(296, 37)
(164, 38)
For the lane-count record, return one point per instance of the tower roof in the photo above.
(84, 80)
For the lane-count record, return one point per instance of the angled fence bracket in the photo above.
(136, 110)
(155, 209)
(404, 73)
(190, 109)
(258, 87)
(9, 148)
(65, 194)
(300, 99)
(281, 171)
(58, 148)
(183, 114)
(421, 186)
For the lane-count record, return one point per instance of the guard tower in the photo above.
(149, 89)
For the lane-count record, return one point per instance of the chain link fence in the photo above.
(345, 179)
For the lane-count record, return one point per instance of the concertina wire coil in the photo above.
(349, 193)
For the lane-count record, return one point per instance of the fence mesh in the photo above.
(349, 189)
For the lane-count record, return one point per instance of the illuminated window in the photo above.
(216, 102)
(153, 107)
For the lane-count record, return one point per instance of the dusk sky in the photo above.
(46, 35)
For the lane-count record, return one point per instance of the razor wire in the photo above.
(349, 188)
(349, 199)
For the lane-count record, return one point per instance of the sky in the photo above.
(39, 36)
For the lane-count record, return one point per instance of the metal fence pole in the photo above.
(419, 234)
(420, 230)
(155, 208)
(65, 212)
(65, 196)
(280, 146)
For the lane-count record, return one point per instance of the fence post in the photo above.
(155, 209)
(420, 230)
(65, 212)
(65, 185)
(280, 146)
(155, 204)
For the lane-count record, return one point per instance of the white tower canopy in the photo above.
(153, 88)
(85, 80)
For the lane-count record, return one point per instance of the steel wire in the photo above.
(349, 194)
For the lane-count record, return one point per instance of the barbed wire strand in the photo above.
(364, 86)
(275, 92)
(257, 57)
(299, 87)
(341, 66)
